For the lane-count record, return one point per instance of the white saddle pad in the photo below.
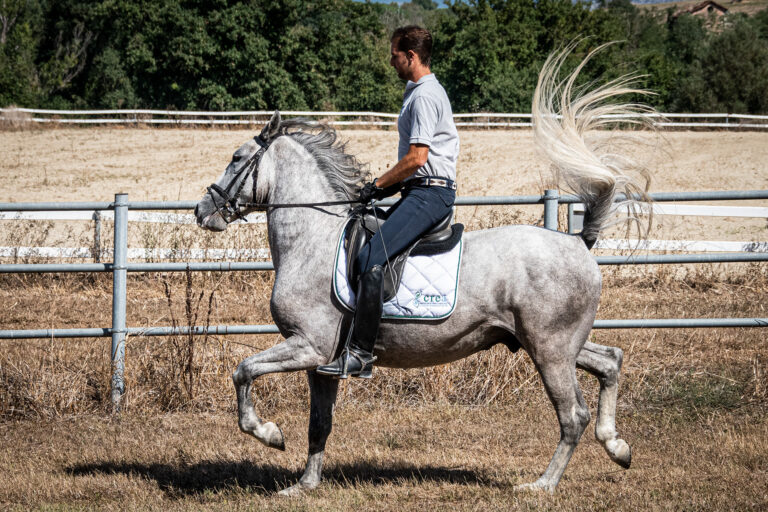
(427, 289)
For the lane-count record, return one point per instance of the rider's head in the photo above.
(411, 47)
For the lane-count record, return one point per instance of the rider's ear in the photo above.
(273, 127)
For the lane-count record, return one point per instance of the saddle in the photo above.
(363, 224)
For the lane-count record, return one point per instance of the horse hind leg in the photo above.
(559, 376)
(605, 364)
(293, 354)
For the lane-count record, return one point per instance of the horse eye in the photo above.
(236, 157)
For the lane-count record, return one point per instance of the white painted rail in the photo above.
(162, 218)
(263, 254)
(682, 245)
(362, 118)
(136, 253)
(696, 210)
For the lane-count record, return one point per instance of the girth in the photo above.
(362, 225)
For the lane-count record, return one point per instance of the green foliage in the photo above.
(333, 54)
(19, 43)
(736, 65)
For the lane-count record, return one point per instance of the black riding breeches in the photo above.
(418, 210)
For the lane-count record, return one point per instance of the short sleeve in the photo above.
(423, 121)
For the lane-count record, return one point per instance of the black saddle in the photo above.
(363, 224)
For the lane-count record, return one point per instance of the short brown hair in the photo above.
(415, 38)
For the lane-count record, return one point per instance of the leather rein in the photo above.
(231, 208)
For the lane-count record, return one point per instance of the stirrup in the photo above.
(362, 366)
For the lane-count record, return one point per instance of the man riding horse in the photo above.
(425, 174)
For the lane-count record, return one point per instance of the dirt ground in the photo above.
(161, 164)
(383, 458)
(693, 403)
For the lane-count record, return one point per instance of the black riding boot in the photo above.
(357, 357)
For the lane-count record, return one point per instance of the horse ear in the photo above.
(273, 127)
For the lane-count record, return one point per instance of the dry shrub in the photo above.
(190, 372)
(41, 378)
(13, 119)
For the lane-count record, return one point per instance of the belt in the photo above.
(431, 182)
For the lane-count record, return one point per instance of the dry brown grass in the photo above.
(693, 402)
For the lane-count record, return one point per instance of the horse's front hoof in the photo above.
(620, 452)
(269, 434)
(272, 436)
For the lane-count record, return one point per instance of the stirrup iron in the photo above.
(362, 366)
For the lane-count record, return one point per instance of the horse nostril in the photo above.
(196, 207)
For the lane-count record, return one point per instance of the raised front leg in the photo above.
(605, 364)
(293, 354)
(323, 391)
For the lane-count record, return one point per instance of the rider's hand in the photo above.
(370, 191)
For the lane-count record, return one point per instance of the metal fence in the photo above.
(346, 118)
(119, 268)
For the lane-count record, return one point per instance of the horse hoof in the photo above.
(620, 453)
(272, 436)
(292, 491)
(269, 434)
(536, 486)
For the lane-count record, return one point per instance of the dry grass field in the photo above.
(693, 402)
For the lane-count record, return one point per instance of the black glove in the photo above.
(370, 191)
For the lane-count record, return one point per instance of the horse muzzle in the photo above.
(213, 221)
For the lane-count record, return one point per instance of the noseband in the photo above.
(231, 208)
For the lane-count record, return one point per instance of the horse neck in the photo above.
(302, 234)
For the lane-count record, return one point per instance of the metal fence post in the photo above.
(551, 197)
(96, 251)
(119, 299)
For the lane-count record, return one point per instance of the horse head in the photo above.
(318, 171)
(239, 186)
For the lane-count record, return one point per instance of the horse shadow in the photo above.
(266, 479)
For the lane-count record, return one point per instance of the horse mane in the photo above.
(344, 172)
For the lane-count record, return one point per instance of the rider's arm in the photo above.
(409, 164)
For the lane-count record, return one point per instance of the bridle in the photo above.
(231, 208)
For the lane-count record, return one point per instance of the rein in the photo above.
(266, 206)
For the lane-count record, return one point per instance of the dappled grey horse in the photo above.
(523, 286)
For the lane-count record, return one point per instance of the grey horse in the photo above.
(523, 286)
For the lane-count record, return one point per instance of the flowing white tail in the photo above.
(586, 167)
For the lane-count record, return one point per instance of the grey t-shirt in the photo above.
(427, 118)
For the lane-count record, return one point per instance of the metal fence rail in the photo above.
(120, 267)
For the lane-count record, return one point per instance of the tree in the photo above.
(19, 42)
(736, 67)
